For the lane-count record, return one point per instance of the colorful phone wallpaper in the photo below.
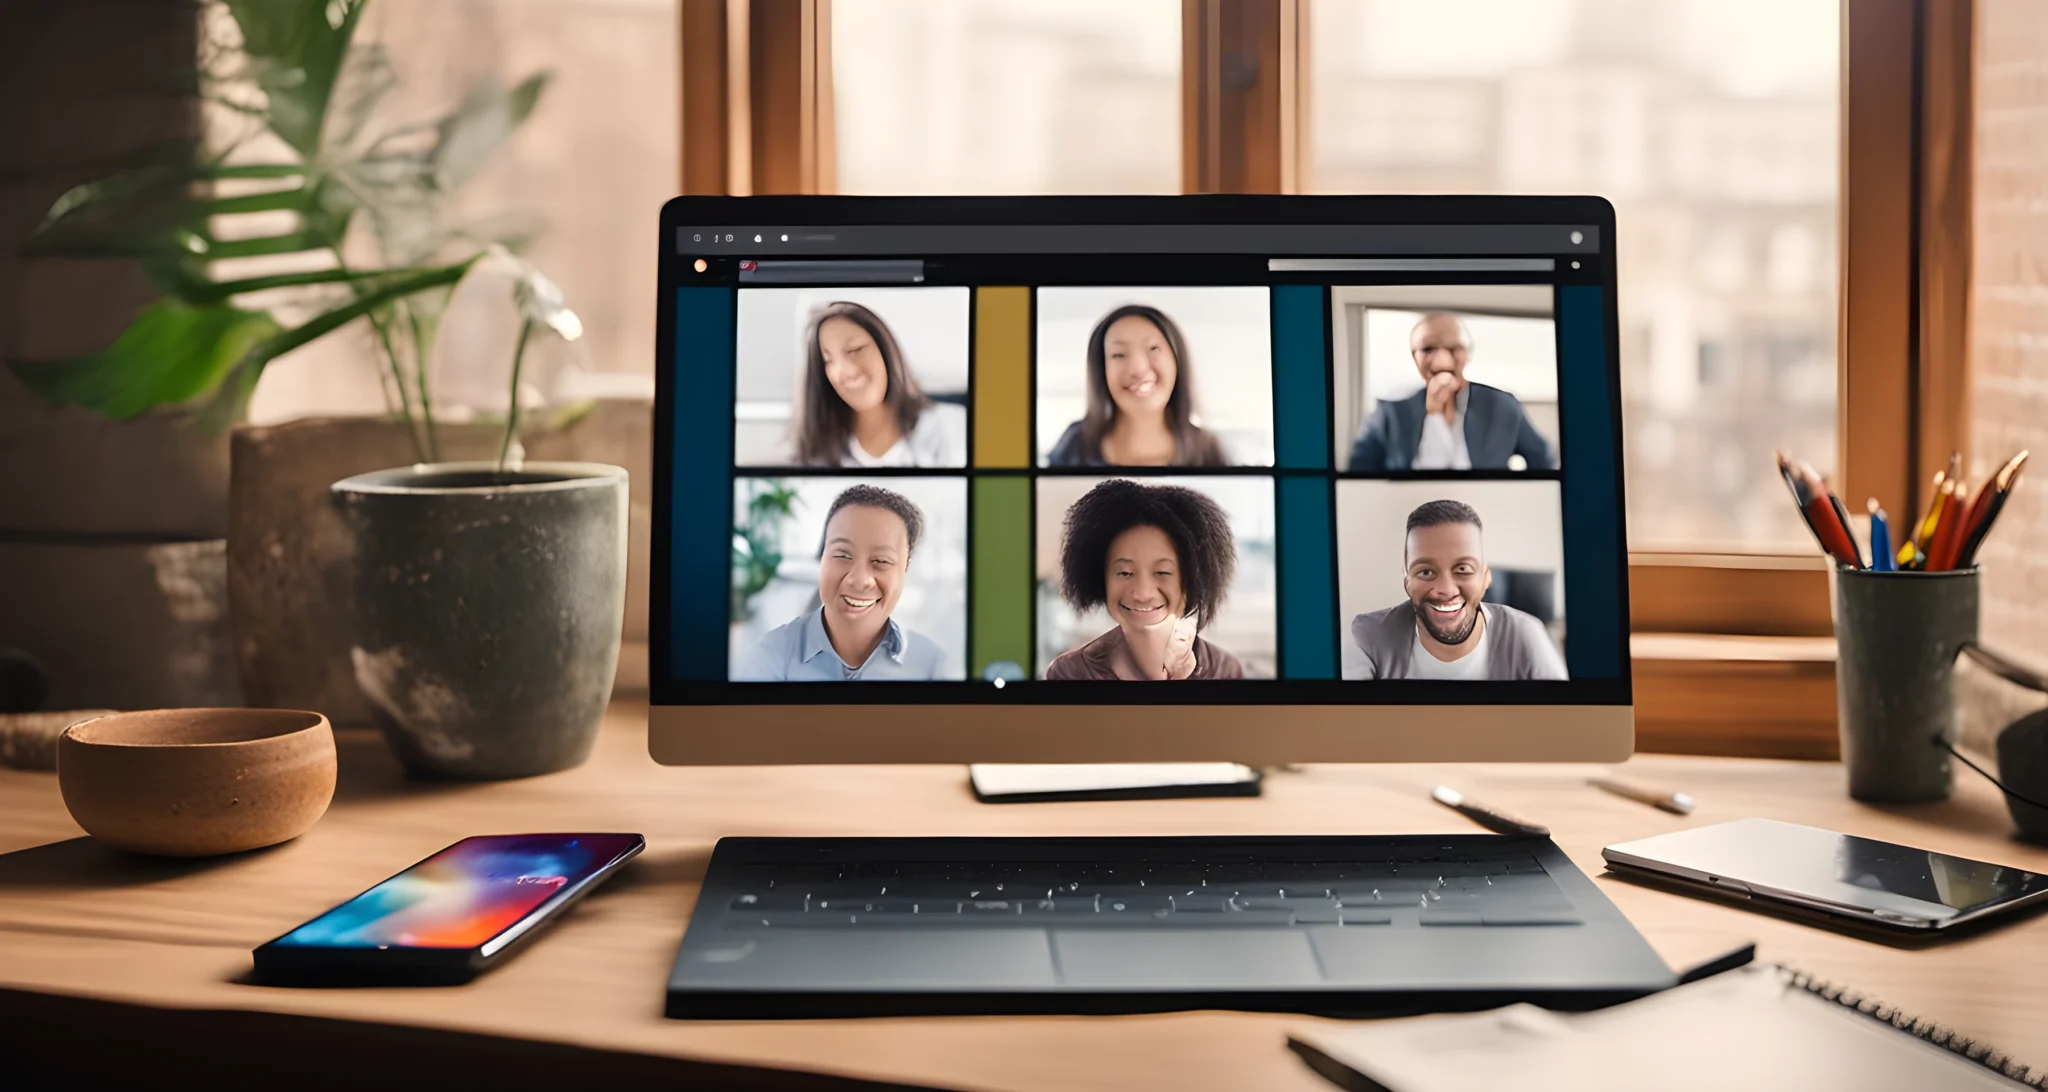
(464, 895)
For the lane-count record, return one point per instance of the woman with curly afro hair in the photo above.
(1159, 558)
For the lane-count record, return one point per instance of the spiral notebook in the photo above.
(1759, 1028)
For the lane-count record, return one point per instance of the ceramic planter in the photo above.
(488, 609)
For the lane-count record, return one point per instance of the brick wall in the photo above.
(2009, 314)
(2009, 340)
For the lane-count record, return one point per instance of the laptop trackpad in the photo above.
(1184, 958)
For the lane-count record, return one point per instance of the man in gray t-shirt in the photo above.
(1444, 631)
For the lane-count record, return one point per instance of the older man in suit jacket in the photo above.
(1451, 423)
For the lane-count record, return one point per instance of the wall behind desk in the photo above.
(2009, 318)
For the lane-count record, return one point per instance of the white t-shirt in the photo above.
(1442, 446)
(1471, 667)
(938, 439)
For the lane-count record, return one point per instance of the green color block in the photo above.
(1002, 574)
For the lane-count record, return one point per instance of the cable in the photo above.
(1950, 748)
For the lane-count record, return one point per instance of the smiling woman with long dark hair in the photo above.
(1160, 559)
(1141, 398)
(859, 404)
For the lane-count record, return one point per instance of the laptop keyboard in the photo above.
(1507, 888)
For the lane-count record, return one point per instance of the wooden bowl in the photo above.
(197, 782)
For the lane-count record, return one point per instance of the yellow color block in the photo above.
(1002, 377)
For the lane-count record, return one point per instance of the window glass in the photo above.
(1712, 125)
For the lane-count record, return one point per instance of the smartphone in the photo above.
(1838, 877)
(450, 917)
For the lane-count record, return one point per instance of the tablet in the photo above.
(1850, 879)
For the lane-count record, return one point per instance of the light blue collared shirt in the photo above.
(801, 651)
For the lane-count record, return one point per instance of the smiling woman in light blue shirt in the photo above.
(870, 535)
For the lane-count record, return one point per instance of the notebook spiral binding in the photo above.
(1928, 1031)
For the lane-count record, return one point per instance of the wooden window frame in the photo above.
(757, 118)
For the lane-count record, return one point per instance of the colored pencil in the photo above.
(1800, 499)
(1923, 532)
(1948, 538)
(1880, 538)
(2000, 487)
(1829, 523)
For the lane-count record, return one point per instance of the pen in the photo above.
(1944, 499)
(1799, 499)
(1842, 514)
(1829, 522)
(1924, 530)
(1880, 538)
(1493, 819)
(1998, 488)
(1677, 803)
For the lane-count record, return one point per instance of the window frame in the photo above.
(757, 117)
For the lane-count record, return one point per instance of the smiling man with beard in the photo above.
(870, 535)
(1444, 631)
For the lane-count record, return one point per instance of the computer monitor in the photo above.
(951, 479)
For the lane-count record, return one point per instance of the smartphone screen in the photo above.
(467, 896)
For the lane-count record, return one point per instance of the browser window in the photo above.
(1025, 462)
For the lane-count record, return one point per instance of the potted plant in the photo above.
(368, 242)
(489, 595)
(757, 541)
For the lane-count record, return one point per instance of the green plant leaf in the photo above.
(296, 50)
(487, 116)
(154, 211)
(173, 352)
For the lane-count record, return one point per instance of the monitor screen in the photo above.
(1027, 451)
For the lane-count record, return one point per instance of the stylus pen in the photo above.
(1493, 819)
(1675, 802)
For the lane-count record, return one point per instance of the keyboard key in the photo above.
(1451, 917)
(1203, 904)
(1260, 903)
(1365, 917)
(790, 921)
(1327, 914)
(864, 906)
(1165, 919)
(1535, 917)
(1134, 904)
(1255, 889)
(989, 906)
(764, 901)
(936, 906)
(1067, 905)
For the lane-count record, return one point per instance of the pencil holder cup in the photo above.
(1897, 635)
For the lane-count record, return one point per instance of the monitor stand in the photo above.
(1013, 783)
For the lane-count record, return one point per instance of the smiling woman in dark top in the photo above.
(1160, 558)
(1141, 398)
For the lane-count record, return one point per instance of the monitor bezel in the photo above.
(1584, 720)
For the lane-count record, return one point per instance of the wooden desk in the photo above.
(88, 937)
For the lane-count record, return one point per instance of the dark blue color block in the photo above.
(1308, 591)
(1301, 378)
(1595, 562)
(700, 504)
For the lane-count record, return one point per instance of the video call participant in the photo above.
(1160, 558)
(860, 406)
(1452, 423)
(870, 535)
(1444, 631)
(1141, 398)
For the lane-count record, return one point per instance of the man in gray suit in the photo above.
(1451, 423)
(1444, 631)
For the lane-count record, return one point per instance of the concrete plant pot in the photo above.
(289, 550)
(488, 609)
